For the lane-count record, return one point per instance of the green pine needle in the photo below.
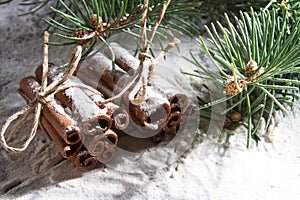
(271, 38)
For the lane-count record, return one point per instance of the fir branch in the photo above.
(104, 18)
(257, 57)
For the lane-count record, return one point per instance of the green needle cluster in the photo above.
(267, 40)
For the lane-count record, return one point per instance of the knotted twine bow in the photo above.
(146, 73)
(43, 96)
(143, 76)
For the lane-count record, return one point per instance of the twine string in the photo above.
(42, 97)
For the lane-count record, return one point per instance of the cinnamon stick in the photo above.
(88, 77)
(178, 102)
(84, 161)
(173, 121)
(155, 110)
(62, 123)
(103, 146)
(66, 150)
(102, 67)
(64, 100)
(93, 118)
(175, 124)
(119, 115)
(96, 80)
(123, 58)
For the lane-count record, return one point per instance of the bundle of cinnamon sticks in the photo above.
(161, 109)
(86, 130)
(76, 117)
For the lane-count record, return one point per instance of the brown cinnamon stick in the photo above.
(103, 146)
(155, 110)
(88, 77)
(65, 149)
(93, 118)
(62, 123)
(119, 115)
(175, 124)
(123, 58)
(173, 121)
(64, 100)
(84, 161)
(100, 65)
(178, 102)
(107, 155)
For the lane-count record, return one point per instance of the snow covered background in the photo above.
(266, 171)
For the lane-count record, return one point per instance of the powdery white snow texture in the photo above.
(266, 171)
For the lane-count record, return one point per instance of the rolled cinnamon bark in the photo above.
(54, 113)
(90, 78)
(84, 161)
(178, 102)
(96, 80)
(93, 118)
(175, 124)
(103, 146)
(107, 155)
(173, 121)
(120, 116)
(66, 150)
(123, 58)
(100, 65)
(153, 112)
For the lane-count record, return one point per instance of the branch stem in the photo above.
(159, 19)
(144, 27)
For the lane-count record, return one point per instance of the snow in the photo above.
(265, 171)
(83, 105)
(61, 111)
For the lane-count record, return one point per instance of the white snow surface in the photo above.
(265, 171)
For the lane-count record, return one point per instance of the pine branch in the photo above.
(84, 21)
(258, 58)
